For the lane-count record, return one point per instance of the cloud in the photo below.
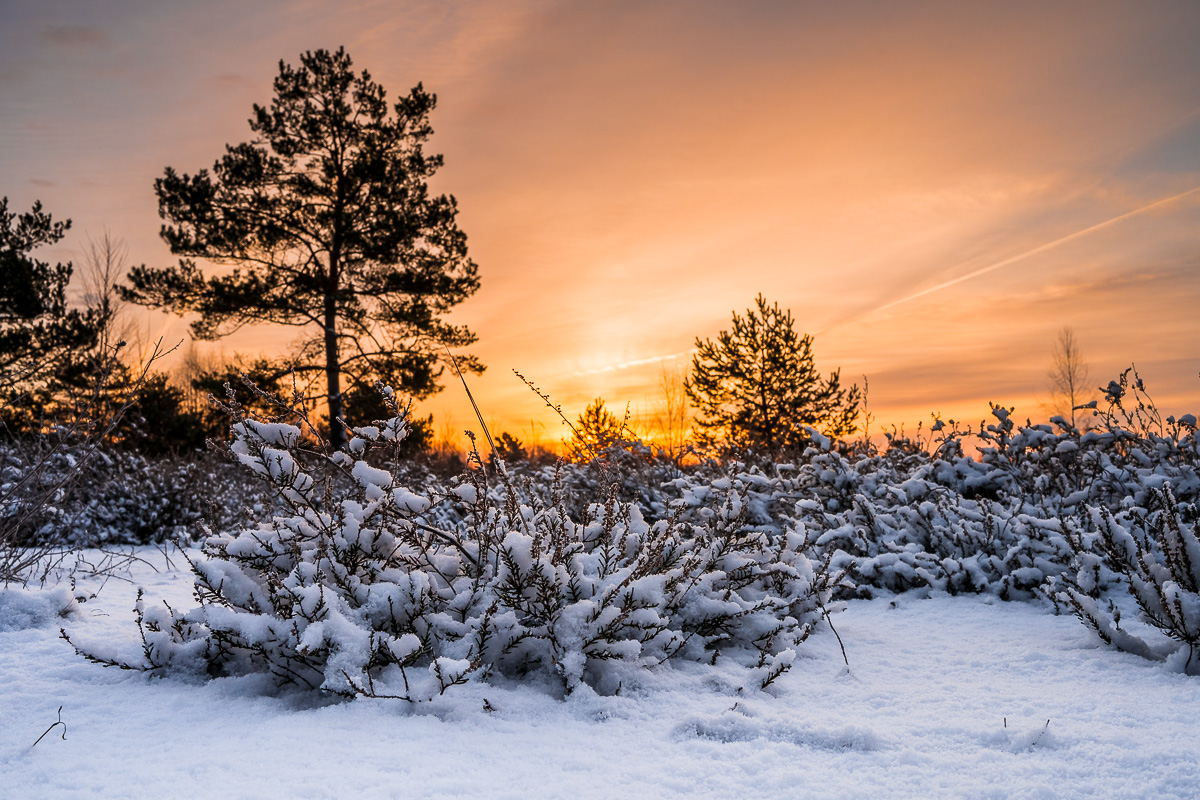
(75, 36)
(1041, 248)
(637, 362)
(227, 81)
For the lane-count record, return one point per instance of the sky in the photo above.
(934, 189)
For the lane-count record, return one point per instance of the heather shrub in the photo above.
(372, 572)
(89, 496)
(1155, 551)
(922, 515)
(359, 585)
(1139, 527)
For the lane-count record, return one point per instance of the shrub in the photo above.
(565, 570)
(1156, 554)
(362, 586)
(40, 469)
(113, 496)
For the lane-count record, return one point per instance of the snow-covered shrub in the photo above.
(899, 522)
(361, 586)
(926, 515)
(1156, 553)
(637, 475)
(115, 496)
(372, 570)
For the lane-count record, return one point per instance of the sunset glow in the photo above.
(934, 189)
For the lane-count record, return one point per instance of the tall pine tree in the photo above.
(328, 223)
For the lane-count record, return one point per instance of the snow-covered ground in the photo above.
(945, 697)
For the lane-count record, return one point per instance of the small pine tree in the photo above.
(757, 386)
(596, 430)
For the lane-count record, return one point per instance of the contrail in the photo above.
(1039, 249)
(627, 364)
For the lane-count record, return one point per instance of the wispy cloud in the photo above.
(639, 362)
(1040, 249)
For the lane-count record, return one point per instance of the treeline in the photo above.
(756, 386)
(328, 227)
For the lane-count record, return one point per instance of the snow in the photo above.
(367, 475)
(945, 696)
(467, 493)
(23, 608)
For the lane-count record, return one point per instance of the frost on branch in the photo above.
(363, 586)
(1156, 552)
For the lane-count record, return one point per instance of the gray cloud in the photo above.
(75, 36)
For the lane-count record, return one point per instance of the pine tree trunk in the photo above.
(333, 366)
(333, 378)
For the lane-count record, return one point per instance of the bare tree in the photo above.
(670, 420)
(193, 365)
(1068, 377)
(105, 261)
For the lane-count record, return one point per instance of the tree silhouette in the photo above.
(40, 337)
(595, 430)
(329, 225)
(1068, 376)
(757, 386)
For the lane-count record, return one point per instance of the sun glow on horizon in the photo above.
(933, 190)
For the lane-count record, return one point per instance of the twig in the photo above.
(825, 611)
(1041, 733)
(52, 727)
(478, 413)
(557, 409)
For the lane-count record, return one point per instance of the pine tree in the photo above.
(40, 337)
(327, 219)
(757, 386)
(596, 430)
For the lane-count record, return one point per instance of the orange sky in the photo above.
(630, 172)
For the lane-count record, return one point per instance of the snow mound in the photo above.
(34, 608)
(1017, 740)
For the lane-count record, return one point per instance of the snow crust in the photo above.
(945, 697)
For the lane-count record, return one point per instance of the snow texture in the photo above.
(946, 697)
(22, 608)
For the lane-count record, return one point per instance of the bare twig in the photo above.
(829, 621)
(52, 727)
(474, 405)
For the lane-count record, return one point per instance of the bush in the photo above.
(1156, 553)
(40, 469)
(362, 586)
(115, 497)
(568, 569)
